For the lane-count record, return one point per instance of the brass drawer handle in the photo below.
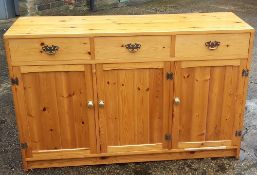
(212, 45)
(133, 47)
(50, 50)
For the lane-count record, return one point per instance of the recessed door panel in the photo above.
(58, 119)
(208, 110)
(135, 115)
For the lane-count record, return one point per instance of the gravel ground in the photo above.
(10, 159)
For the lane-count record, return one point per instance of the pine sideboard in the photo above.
(113, 89)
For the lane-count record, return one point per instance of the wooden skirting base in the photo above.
(132, 158)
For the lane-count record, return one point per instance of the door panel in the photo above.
(57, 113)
(208, 96)
(135, 116)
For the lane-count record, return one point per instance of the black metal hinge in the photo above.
(245, 72)
(167, 137)
(15, 81)
(169, 76)
(238, 133)
(24, 145)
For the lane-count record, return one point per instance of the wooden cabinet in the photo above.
(155, 87)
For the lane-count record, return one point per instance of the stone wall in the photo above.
(102, 4)
(34, 7)
(39, 7)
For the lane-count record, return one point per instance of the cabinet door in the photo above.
(59, 123)
(211, 105)
(135, 114)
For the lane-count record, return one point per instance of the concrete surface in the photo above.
(10, 159)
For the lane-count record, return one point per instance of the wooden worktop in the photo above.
(79, 26)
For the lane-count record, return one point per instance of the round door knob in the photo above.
(177, 101)
(101, 104)
(90, 104)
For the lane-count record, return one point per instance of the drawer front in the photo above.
(48, 50)
(133, 48)
(211, 46)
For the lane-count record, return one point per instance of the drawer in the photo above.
(134, 48)
(49, 50)
(212, 46)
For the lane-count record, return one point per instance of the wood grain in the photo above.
(215, 103)
(133, 148)
(57, 68)
(59, 154)
(133, 65)
(21, 115)
(69, 49)
(205, 144)
(242, 94)
(58, 117)
(185, 64)
(126, 25)
(192, 154)
(92, 64)
(207, 111)
(192, 47)
(128, 118)
(114, 47)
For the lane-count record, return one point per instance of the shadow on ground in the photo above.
(10, 160)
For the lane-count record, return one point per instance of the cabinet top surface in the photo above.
(125, 25)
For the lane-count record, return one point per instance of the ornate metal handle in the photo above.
(133, 47)
(50, 50)
(212, 45)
